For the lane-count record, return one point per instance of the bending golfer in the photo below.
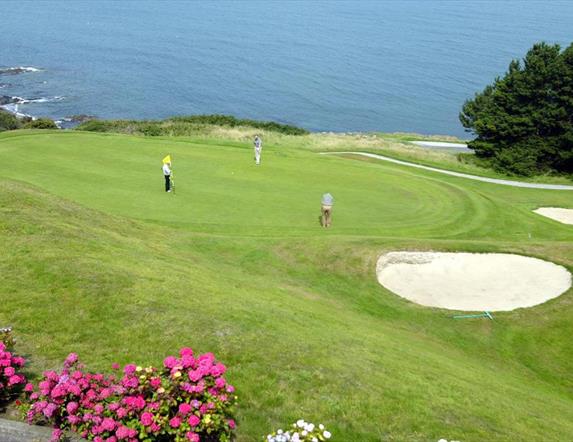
(326, 209)
(258, 148)
(167, 175)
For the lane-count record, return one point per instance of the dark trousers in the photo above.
(167, 183)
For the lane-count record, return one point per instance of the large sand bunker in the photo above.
(472, 281)
(564, 216)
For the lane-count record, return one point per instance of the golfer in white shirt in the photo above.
(258, 148)
(167, 175)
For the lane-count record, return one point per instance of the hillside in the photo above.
(98, 260)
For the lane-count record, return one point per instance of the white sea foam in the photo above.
(20, 69)
(13, 109)
(40, 100)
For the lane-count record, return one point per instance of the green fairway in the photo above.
(98, 259)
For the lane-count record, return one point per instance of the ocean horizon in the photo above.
(323, 65)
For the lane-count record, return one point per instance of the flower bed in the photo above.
(300, 431)
(188, 399)
(11, 379)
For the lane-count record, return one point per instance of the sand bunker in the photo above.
(564, 216)
(472, 281)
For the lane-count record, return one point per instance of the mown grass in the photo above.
(97, 259)
(396, 145)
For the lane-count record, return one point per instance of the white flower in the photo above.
(321, 427)
(326, 434)
(304, 433)
(314, 439)
(310, 427)
(295, 438)
(443, 440)
(280, 432)
(300, 423)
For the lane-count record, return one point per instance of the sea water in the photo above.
(322, 65)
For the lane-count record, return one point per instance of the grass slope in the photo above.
(97, 259)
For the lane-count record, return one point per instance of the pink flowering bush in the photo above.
(188, 399)
(11, 380)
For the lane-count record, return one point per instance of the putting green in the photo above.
(99, 260)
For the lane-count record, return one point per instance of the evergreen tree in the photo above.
(524, 121)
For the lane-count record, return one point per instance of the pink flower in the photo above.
(122, 432)
(193, 437)
(121, 412)
(115, 366)
(170, 362)
(146, 419)
(71, 359)
(155, 382)
(29, 388)
(72, 407)
(16, 379)
(218, 370)
(57, 435)
(232, 424)
(193, 420)
(195, 375)
(230, 389)
(220, 382)
(130, 382)
(155, 427)
(108, 424)
(49, 410)
(19, 361)
(184, 409)
(74, 420)
(186, 351)
(153, 406)
(175, 422)
(129, 369)
(187, 361)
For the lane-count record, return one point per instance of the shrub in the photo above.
(11, 380)
(186, 125)
(151, 130)
(188, 399)
(41, 123)
(8, 121)
(231, 121)
(301, 431)
(96, 126)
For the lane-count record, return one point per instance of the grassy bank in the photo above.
(98, 260)
(211, 128)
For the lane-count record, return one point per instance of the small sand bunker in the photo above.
(472, 281)
(564, 216)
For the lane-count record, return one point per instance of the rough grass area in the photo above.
(97, 259)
